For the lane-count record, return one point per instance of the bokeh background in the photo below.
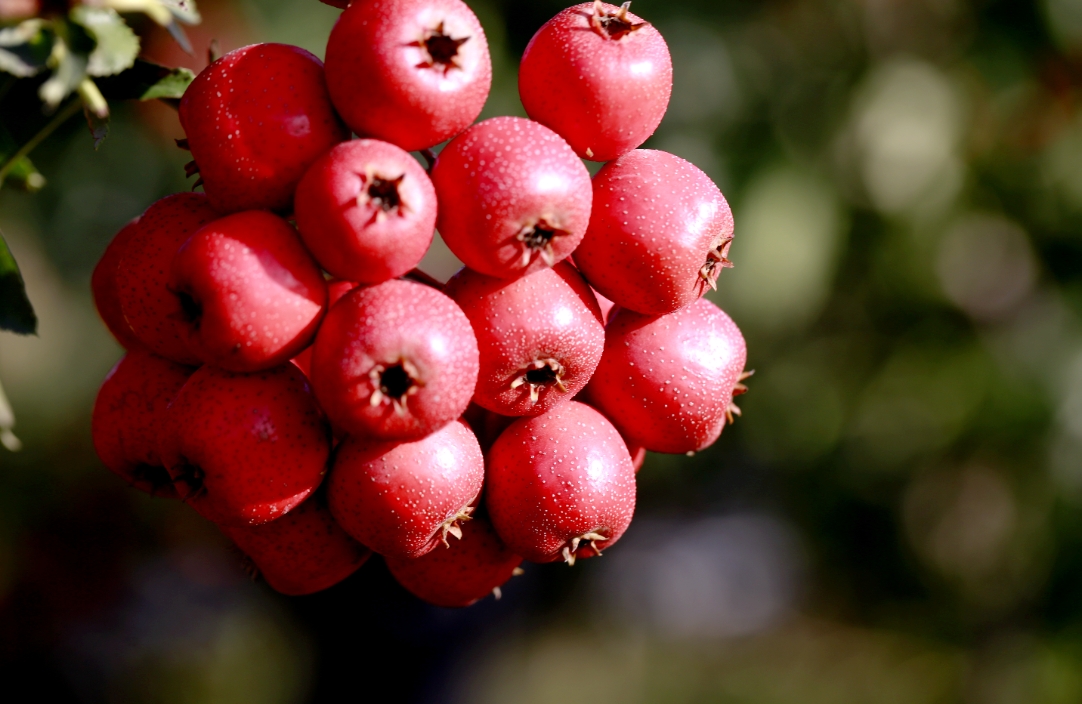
(897, 517)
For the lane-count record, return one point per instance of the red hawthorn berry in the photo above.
(667, 382)
(411, 72)
(605, 304)
(142, 274)
(599, 76)
(560, 485)
(367, 211)
(395, 361)
(659, 233)
(335, 290)
(540, 337)
(255, 119)
(485, 424)
(467, 571)
(103, 286)
(251, 296)
(129, 419)
(302, 552)
(404, 498)
(245, 449)
(514, 198)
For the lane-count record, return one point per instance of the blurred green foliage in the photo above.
(906, 179)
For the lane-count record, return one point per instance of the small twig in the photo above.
(430, 157)
(60, 118)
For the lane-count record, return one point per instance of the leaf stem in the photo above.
(60, 118)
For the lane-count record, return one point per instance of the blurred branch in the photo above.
(62, 116)
(7, 422)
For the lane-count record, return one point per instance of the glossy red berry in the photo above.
(599, 76)
(366, 211)
(255, 119)
(129, 419)
(411, 72)
(468, 570)
(303, 552)
(394, 361)
(251, 296)
(245, 449)
(659, 233)
(667, 382)
(142, 275)
(560, 485)
(485, 424)
(540, 337)
(605, 304)
(335, 290)
(103, 286)
(514, 198)
(405, 498)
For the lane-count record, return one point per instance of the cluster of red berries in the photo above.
(457, 428)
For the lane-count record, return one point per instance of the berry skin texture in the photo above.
(404, 499)
(255, 119)
(142, 275)
(103, 285)
(129, 418)
(250, 294)
(514, 198)
(659, 233)
(598, 76)
(245, 449)
(540, 337)
(366, 211)
(410, 72)
(667, 382)
(560, 485)
(395, 361)
(469, 570)
(302, 552)
(335, 290)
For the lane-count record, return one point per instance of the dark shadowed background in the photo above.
(896, 519)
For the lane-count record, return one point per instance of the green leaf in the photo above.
(146, 81)
(25, 48)
(16, 313)
(69, 69)
(116, 46)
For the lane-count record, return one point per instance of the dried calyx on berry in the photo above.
(537, 239)
(451, 525)
(394, 384)
(571, 550)
(539, 374)
(441, 49)
(382, 193)
(614, 25)
(716, 260)
(733, 411)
